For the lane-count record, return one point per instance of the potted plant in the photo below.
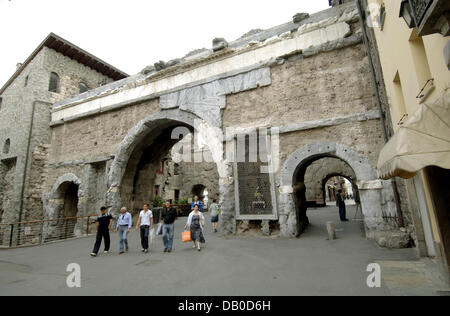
(158, 204)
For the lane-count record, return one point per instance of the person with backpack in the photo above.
(215, 212)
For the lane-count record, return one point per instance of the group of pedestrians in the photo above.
(145, 224)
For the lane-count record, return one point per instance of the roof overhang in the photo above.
(72, 51)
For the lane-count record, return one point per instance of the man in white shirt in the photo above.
(145, 224)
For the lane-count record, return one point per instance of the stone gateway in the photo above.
(306, 84)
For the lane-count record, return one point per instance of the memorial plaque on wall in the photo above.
(254, 189)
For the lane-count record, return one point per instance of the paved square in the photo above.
(311, 265)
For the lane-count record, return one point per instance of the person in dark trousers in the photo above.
(104, 222)
(341, 204)
(123, 226)
(168, 217)
(145, 224)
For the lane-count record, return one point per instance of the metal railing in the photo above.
(43, 231)
(39, 232)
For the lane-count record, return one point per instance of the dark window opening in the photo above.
(26, 81)
(176, 169)
(6, 146)
(1, 102)
(54, 83)
(83, 87)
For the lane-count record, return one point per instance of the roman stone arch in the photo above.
(370, 188)
(348, 176)
(321, 169)
(67, 189)
(148, 126)
(198, 190)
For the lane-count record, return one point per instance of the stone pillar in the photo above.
(227, 206)
(287, 214)
(113, 200)
(370, 194)
(331, 229)
(53, 207)
(83, 189)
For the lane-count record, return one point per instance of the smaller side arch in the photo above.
(371, 195)
(360, 164)
(68, 177)
(54, 204)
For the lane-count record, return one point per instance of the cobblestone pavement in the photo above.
(240, 266)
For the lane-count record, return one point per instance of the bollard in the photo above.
(11, 236)
(331, 231)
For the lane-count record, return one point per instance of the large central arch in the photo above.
(150, 125)
(372, 190)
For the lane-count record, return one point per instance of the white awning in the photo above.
(422, 141)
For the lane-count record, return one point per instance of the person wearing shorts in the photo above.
(215, 212)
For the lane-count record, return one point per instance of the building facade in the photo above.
(270, 106)
(417, 80)
(49, 75)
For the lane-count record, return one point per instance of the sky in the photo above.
(131, 34)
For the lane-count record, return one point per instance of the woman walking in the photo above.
(196, 222)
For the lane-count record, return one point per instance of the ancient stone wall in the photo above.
(199, 173)
(312, 82)
(299, 93)
(327, 85)
(7, 171)
(97, 136)
(38, 172)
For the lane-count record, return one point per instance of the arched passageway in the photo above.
(148, 163)
(70, 209)
(199, 190)
(309, 180)
(131, 178)
(334, 182)
(375, 197)
(65, 200)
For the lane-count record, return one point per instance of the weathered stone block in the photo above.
(392, 239)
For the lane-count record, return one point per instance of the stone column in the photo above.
(227, 205)
(370, 194)
(83, 189)
(113, 200)
(287, 214)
